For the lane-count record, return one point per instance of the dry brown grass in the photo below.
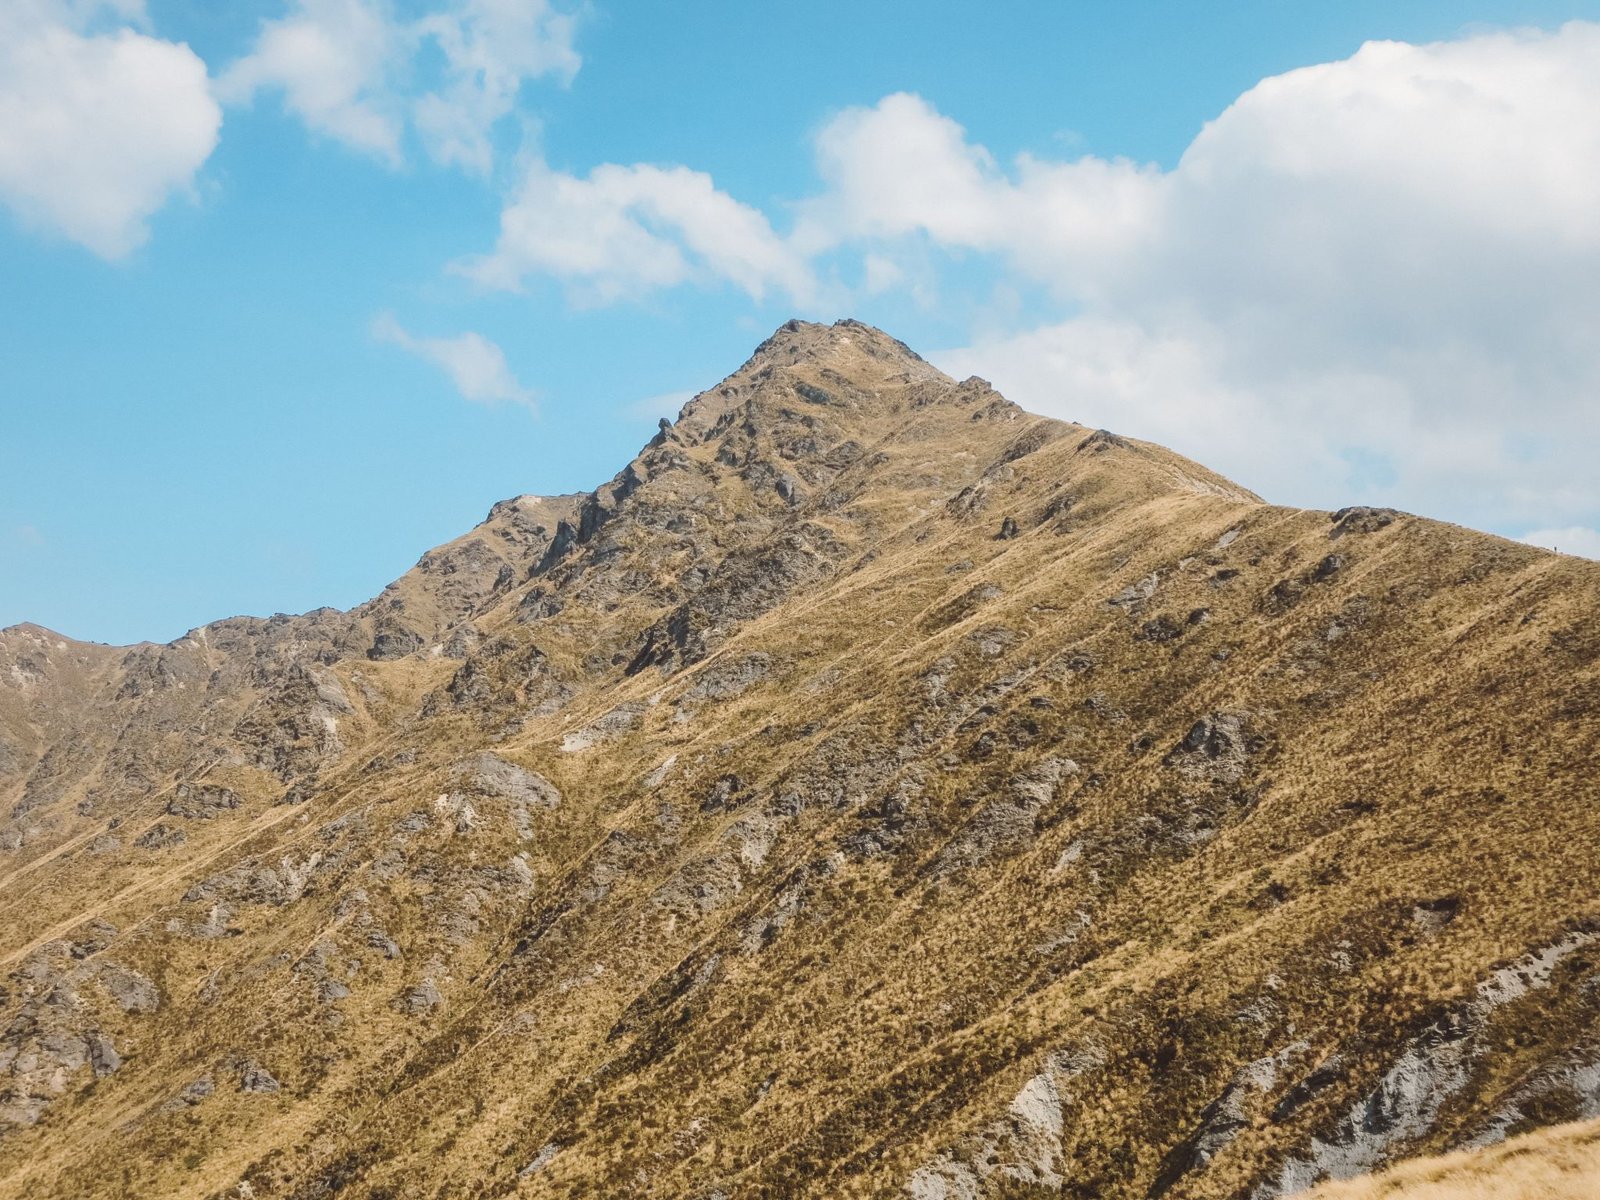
(1552, 1164)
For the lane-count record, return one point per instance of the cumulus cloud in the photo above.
(355, 71)
(1368, 279)
(1574, 539)
(624, 231)
(100, 124)
(1379, 273)
(474, 364)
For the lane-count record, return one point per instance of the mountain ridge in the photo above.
(860, 702)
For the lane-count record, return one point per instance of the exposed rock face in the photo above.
(871, 790)
(1405, 1105)
(202, 801)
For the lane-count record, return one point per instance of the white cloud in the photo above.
(1375, 279)
(1575, 539)
(1377, 275)
(901, 168)
(333, 61)
(354, 70)
(625, 231)
(474, 364)
(99, 124)
(490, 47)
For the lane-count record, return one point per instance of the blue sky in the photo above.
(293, 291)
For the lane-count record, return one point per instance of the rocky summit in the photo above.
(874, 790)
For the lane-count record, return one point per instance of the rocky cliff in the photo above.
(872, 790)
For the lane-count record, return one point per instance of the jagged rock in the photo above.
(133, 992)
(1217, 748)
(382, 942)
(546, 1153)
(1408, 1098)
(160, 837)
(463, 640)
(195, 1092)
(421, 998)
(726, 678)
(255, 883)
(253, 1077)
(1023, 1149)
(103, 1056)
(458, 810)
(202, 801)
(394, 641)
(613, 724)
(1102, 440)
(1158, 629)
(300, 791)
(1221, 1121)
(1325, 570)
(1360, 519)
(1135, 594)
(1006, 824)
(525, 791)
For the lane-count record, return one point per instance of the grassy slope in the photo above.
(795, 934)
(1552, 1164)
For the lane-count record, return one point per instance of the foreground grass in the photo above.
(1550, 1164)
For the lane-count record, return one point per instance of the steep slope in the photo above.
(873, 789)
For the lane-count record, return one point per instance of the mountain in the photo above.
(872, 790)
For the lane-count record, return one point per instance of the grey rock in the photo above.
(1006, 824)
(547, 1152)
(394, 641)
(1360, 519)
(202, 801)
(253, 1077)
(252, 882)
(133, 992)
(160, 837)
(1434, 1067)
(422, 998)
(382, 942)
(1135, 594)
(1218, 748)
(726, 678)
(103, 1056)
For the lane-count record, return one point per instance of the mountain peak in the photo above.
(848, 367)
(874, 790)
(796, 339)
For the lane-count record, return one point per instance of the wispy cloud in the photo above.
(474, 364)
(351, 70)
